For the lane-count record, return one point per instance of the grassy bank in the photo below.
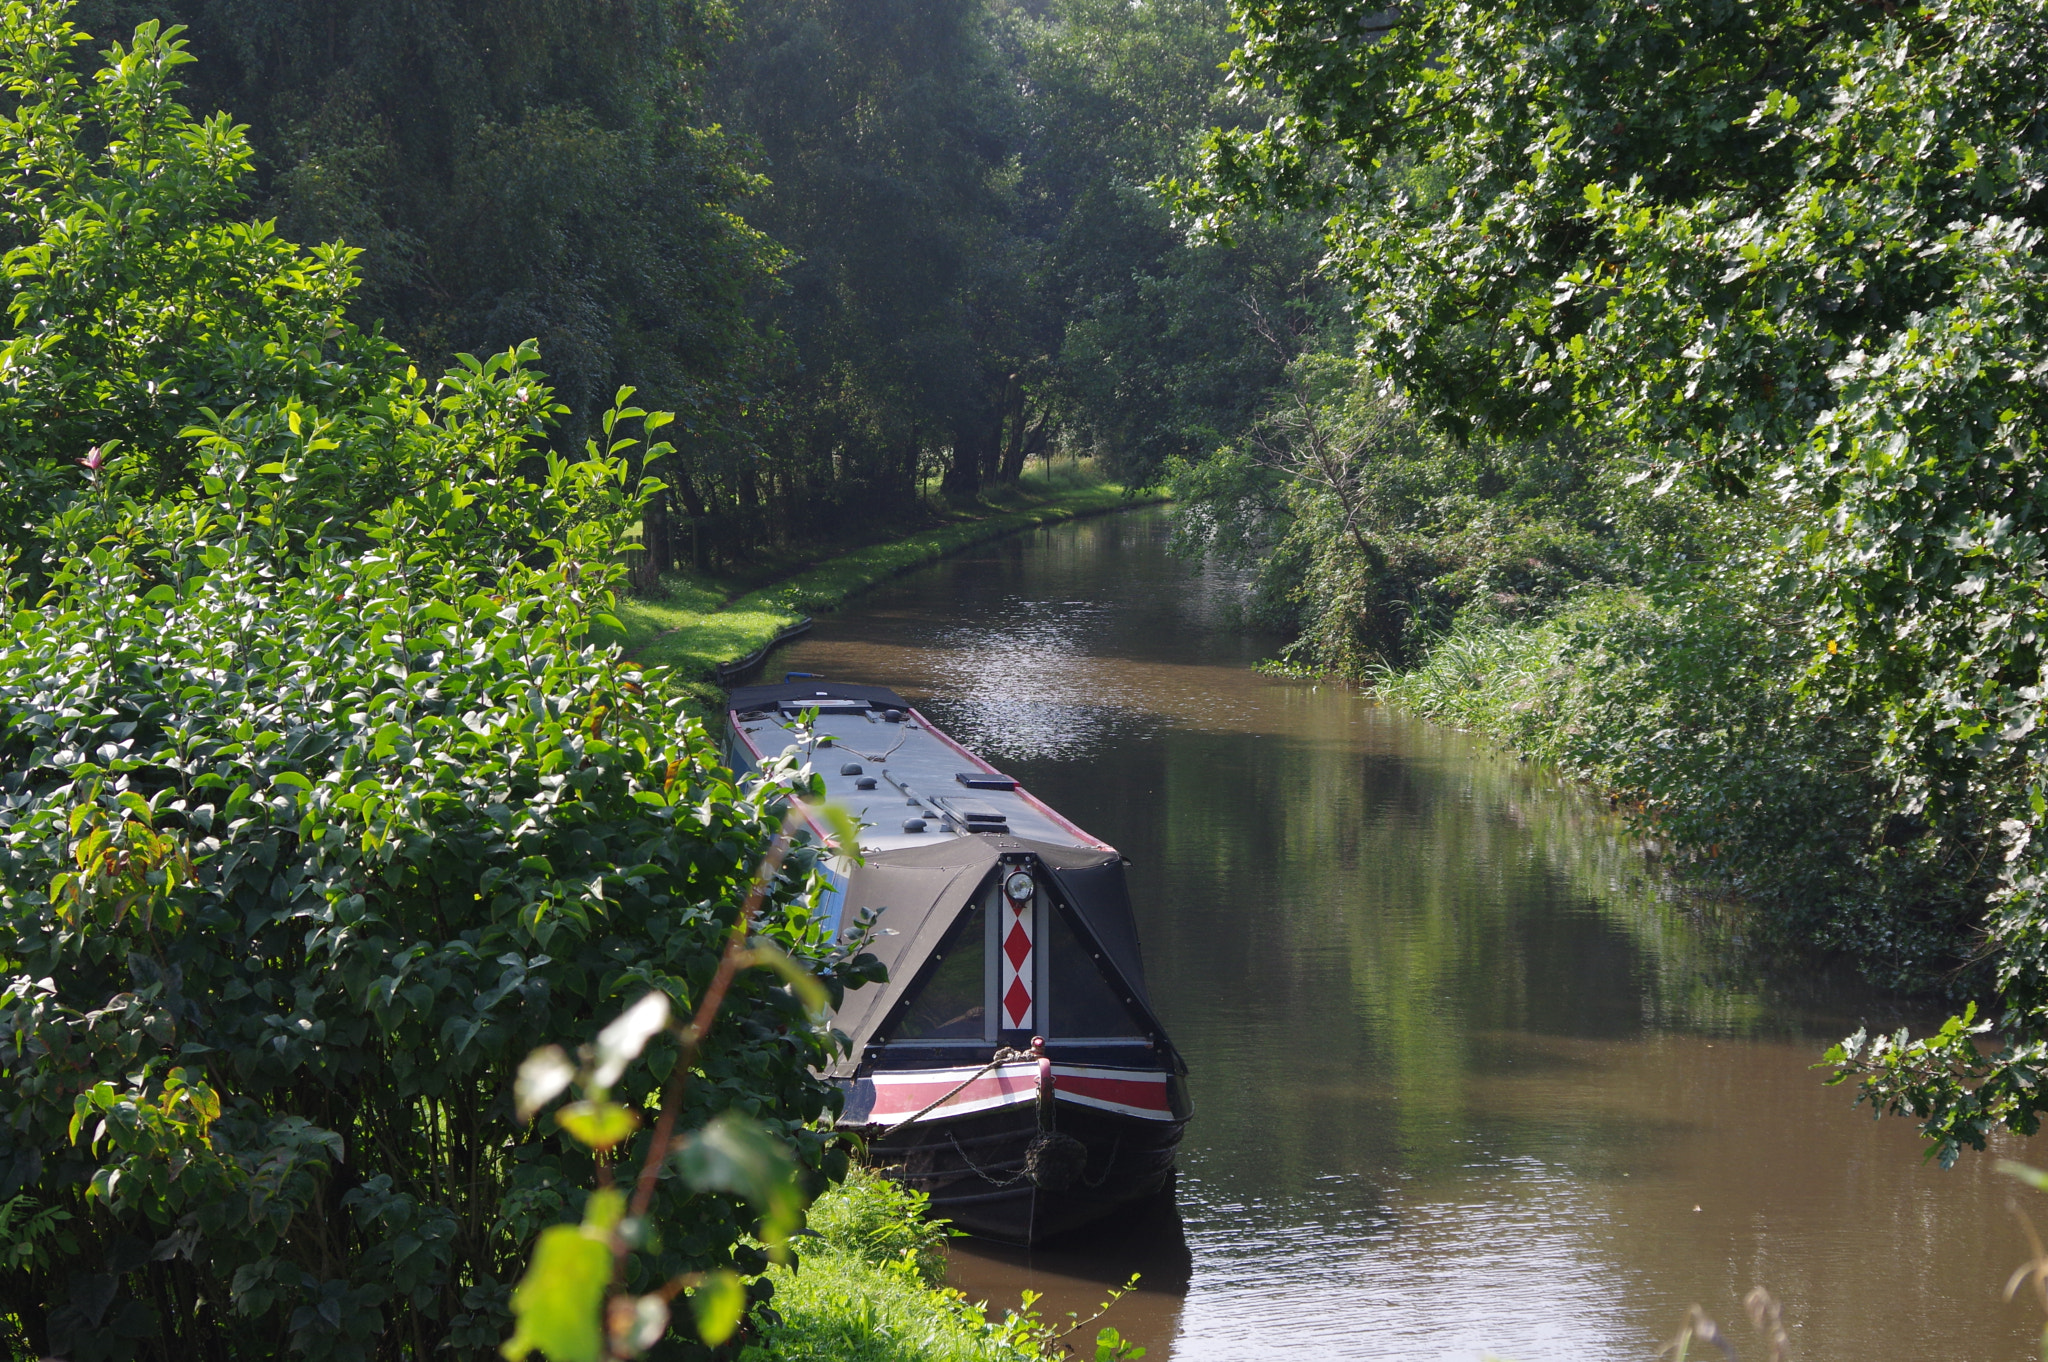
(868, 1287)
(1685, 708)
(698, 622)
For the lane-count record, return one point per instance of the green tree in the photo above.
(1788, 246)
(135, 301)
(522, 170)
(1151, 346)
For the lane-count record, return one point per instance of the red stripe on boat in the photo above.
(904, 1093)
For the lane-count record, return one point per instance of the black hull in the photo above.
(973, 1169)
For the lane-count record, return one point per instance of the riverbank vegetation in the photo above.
(691, 623)
(1657, 387)
(340, 840)
(1684, 425)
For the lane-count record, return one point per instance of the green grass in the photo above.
(867, 1288)
(698, 622)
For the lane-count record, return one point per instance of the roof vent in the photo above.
(913, 825)
(864, 783)
(852, 768)
(892, 716)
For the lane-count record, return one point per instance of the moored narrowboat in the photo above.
(1011, 1067)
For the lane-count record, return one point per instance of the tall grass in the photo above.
(868, 1288)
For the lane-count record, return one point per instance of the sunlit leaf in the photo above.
(597, 1124)
(555, 1306)
(544, 1075)
(621, 1043)
(718, 1304)
(604, 1210)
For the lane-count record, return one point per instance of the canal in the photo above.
(1470, 1076)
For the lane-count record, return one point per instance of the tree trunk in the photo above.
(643, 575)
(1023, 441)
(963, 472)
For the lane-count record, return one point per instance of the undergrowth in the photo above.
(870, 1287)
(1685, 708)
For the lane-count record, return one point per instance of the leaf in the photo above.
(597, 1124)
(805, 984)
(544, 1075)
(621, 1043)
(718, 1304)
(555, 1306)
(845, 828)
(737, 1155)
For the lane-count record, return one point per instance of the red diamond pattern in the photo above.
(1017, 945)
(1017, 1002)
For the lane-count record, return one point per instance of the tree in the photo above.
(524, 170)
(1788, 245)
(135, 302)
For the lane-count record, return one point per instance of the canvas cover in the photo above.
(921, 890)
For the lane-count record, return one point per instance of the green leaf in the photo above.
(718, 1304)
(2033, 1177)
(555, 1306)
(844, 826)
(802, 981)
(737, 1155)
(597, 1124)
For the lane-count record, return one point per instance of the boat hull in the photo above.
(982, 1173)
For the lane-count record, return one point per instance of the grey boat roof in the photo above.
(871, 734)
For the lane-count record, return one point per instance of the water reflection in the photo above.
(1464, 1065)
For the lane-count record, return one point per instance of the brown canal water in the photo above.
(1470, 1077)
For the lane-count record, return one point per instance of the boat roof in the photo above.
(866, 734)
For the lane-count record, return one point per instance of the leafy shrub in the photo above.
(1684, 703)
(134, 303)
(318, 810)
(296, 864)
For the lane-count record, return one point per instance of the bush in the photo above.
(295, 867)
(1684, 703)
(318, 810)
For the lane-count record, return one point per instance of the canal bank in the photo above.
(695, 625)
(1464, 1062)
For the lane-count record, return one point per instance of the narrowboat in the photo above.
(1011, 1067)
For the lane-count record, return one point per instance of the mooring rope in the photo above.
(1003, 1056)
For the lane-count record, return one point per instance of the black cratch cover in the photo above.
(921, 891)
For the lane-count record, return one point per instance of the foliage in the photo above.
(528, 170)
(1791, 247)
(301, 857)
(868, 1289)
(1371, 533)
(1149, 352)
(1679, 702)
(321, 811)
(134, 304)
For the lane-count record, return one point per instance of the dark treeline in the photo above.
(859, 246)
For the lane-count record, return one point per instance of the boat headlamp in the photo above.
(1019, 885)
